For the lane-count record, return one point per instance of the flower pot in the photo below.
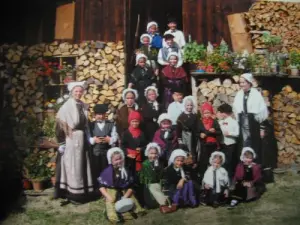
(53, 181)
(37, 185)
(294, 71)
(27, 184)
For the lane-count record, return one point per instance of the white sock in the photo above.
(233, 202)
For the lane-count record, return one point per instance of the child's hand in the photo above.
(138, 149)
(195, 165)
(213, 130)
(262, 133)
(107, 139)
(207, 186)
(226, 134)
(130, 85)
(97, 140)
(180, 183)
(131, 156)
(202, 135)
(226, 193)
(156, 72)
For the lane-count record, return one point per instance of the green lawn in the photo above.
(280, 205)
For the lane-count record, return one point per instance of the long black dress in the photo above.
(141, 78)
(150, 116)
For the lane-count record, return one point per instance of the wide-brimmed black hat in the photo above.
(169, 36)
(100, 108)
(177, 89)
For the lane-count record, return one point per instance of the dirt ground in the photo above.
(279, 205)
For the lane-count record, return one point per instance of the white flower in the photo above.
(66, 96)
(50, 105)
(59, 100)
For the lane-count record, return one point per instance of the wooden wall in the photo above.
(100, 20)
(206, 20)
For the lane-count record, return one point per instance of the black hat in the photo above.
(100, 108)
(177, 89)
(225, 108)
(169, 36)
(172, 20)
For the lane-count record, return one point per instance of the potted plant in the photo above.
(271, 41)
(30, 128)
(36, 165)
(294, 57)
(193, 53)
(66, 72)
(49, 134)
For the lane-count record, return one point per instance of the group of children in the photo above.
(166, 155)
(170, 158)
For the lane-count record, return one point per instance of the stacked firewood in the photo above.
(280, 18)
(286, 105)
(101, 65)
(219, 92)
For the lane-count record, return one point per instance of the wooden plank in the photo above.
(209, 20)
(200, 21)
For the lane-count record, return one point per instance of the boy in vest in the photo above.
(170, 46)
(104, 136)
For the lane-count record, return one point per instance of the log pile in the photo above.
(279, 18)
(218, 92)
(286, 116)
(101, 64)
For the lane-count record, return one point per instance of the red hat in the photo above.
(134, 115)
(207, 106)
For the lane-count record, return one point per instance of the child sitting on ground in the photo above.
(151, 175)
(215, 181)
(177, 183)
(165, 137)
(115, 184)
(247, 182)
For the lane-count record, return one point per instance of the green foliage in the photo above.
(49, 127)
(294, 57)
(194, 52)
(271, 40)
(30, 127)
(35, 165)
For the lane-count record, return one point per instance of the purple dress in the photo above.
(181, 197)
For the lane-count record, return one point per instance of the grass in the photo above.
(279, 205)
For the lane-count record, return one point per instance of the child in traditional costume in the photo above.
(150, 112)
(209, 133)
(116, 184)
(142, 77)
(150, 51)
(215, 181)
(129, 97)
(177, 184)
(150, 176)
(172, 77)
(152, 30)
(176, 107)
(247, 182)
(230, 129)
(104, 136)
(170, 46)
(165, 137)
(134, 142)
(188, 128)
(178, 34)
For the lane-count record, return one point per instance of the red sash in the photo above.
(138, 158)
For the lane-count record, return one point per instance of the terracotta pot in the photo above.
(53, 181)
(27, 184)
(37, 185)
(294, 71)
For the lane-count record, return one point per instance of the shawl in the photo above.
(68, 116)
(255, 105)
(107, 179)
(148, 174)
(174, 73)
(222, 179)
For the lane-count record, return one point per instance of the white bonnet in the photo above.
(248, 77)
(150, 24)
(136, 95)
(221, 154)
(176, 153)
(82, 84)
(152, 145)
(193, 100)
(111, 151)
(172, 54)
(152, 88)
(247, 149)
(145, 35)
(164, 116)
(139, 56)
